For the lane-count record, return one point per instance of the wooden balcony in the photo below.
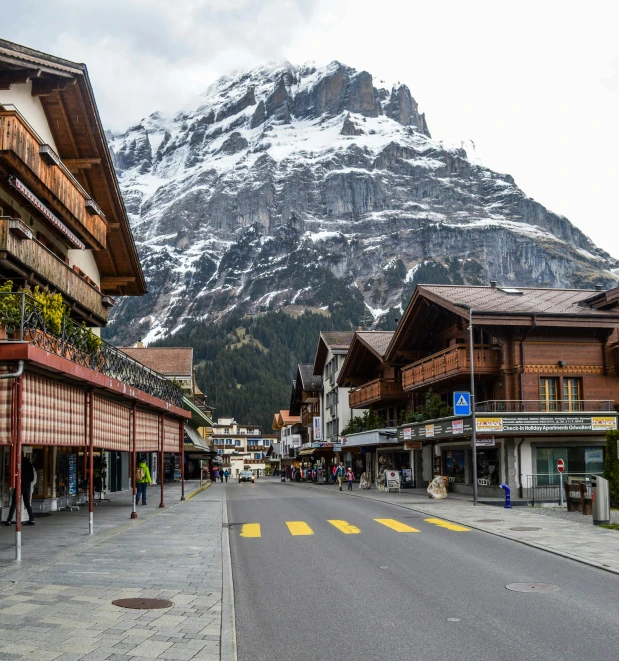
(25, 155)
(27, 256)
(307, 418)
(450, 363)
(378, 390)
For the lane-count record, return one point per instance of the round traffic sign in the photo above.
(560, 465)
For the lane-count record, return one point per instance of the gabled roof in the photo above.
(334, 341)
(493, 305)
(68, 102)
(310, 382)
(283, 419)
(366, 345)
(169, 361)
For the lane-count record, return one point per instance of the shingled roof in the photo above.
(169, 361)
(377, 341)
(309, 381)
(338, 342)
(523, 300)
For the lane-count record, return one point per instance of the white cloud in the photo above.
(534, 85)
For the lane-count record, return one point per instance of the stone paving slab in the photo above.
(60, 607)
(589, 544)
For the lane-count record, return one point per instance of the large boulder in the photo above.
(436, 488)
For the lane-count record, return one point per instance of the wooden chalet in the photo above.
(66, 394)
(374, 382)
(546, 386)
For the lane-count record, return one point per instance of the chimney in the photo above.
(493, 284)
(598, 287)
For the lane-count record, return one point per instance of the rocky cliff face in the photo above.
(298, 186)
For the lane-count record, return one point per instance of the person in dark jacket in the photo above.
(27, 478)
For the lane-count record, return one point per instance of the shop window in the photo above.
(580, 462)
(454, 465)
(548, 390)
(488, 467)
(572, 394)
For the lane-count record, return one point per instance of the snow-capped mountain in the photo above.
(290, 185)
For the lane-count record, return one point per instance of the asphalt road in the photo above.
(437, 594)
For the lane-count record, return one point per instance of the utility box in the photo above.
(600, 501)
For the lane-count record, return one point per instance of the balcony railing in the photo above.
(22, 318)
(451, 362)
(51, 269)
(543, 406)
(375, 391)
(42, 168)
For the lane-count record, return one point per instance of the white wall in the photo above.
(30, 107)
(85, 260)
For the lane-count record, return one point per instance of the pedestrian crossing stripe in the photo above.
(447, 524)
(344, 526)
(251, 530)
(396, 525)
(299, 528)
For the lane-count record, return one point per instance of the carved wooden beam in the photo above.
(74, 165)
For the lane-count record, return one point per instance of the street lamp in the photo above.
(473, 422)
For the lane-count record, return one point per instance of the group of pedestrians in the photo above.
(220, 475)
(340, 473)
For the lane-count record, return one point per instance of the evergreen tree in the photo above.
(611, 466)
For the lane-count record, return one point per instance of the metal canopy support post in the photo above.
(91, 450)
(134, 465)
(18, 474)
(161, 470)
(181, 438)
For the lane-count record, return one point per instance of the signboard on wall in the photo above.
(413, 445)
(485, 441)
(491, 425)
(317, 428)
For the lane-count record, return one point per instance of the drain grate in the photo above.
(143, 604)
(532, 587)
(489, 520)
(524, 528)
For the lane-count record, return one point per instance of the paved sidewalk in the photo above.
(582, 542)
(56, 604)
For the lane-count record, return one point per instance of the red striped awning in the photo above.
(53, 412)
(112, 425)
(147, 432)
(171, 436)
(6, 408)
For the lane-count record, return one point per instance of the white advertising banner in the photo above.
(317, 428)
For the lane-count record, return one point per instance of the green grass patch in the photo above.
(610, 526)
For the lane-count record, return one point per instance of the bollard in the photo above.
(508, 502)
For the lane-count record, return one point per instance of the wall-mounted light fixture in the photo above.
(562, 363)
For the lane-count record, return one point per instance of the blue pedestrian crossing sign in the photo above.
(462, 403)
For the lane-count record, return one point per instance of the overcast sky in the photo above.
(534, 84)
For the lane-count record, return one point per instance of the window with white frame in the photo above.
(257, 455)
(229, 441)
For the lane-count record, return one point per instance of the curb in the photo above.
(197, 491)
(228, 620)
(534, 545)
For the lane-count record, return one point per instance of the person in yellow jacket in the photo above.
(142, 480)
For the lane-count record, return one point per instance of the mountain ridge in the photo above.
(310, 186)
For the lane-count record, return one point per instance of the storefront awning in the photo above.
(198, 443)
(307, 452)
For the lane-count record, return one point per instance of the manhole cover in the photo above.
(524, 529)
(532, 587)
(489, 520)
(143, 604)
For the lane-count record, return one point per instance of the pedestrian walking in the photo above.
(216, 475)
(226, 475)
(221, 476)
(350, 476)
(28, 477)
(333, 471)
(142, 480)
(315, 473)
(340, 473)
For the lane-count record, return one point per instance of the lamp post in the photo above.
(473, 422)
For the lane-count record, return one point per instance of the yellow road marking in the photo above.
(396, 525)
(446, 524)
(345, 527)
(299, 528)
(251, 530)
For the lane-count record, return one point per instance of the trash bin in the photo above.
(600, 501)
